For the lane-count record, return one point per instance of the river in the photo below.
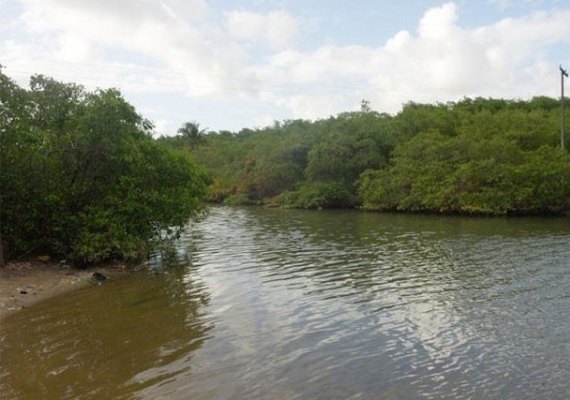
(284, 304)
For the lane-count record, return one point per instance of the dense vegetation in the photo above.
(477, 156)
(82, 178)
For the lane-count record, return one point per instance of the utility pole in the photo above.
(563, 73)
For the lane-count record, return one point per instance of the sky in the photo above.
(235, 64)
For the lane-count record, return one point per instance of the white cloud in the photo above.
(442, 62)
(439, 23)
(264, 121)
(74, 48)
(502, 3)
(179, 46)
(163, 128)
(276, 28)
(166, 33)
(309, 106)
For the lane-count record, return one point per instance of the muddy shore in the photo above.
(24, 283)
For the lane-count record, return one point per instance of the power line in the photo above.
(173, 83)
(239, 84)
(259, 85)
(189, 75)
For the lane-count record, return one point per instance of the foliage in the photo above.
(344, 153)
(253, 166)
(318, 195)
(483, 156)
(191, 134)
(81, 176)
(469, 174)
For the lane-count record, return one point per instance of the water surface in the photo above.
(283, 304)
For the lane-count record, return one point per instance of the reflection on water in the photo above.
(282, 304)
(104, 342)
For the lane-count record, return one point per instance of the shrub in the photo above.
(82, 177)
(319, 195)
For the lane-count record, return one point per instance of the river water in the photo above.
(282, 304)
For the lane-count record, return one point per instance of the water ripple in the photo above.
(278, 304)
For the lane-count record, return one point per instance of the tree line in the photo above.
(82, 177)
(474, 156)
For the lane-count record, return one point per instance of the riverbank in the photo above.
(24, 283)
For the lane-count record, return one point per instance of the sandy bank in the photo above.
(24, 283)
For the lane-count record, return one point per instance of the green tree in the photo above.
(191, 134)
(82, 177)
(488, 156)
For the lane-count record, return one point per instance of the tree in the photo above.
(365, 106)
(490, 156)
(192, 134)
(82, 177)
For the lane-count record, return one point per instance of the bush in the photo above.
(470, 174)
(319, 195)
(240, 199)
(82, 177)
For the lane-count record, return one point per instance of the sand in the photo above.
(24, 283)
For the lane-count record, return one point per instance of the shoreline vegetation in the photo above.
(488, 157)
(83, 178)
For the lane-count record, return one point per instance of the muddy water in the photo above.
(274, 304)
